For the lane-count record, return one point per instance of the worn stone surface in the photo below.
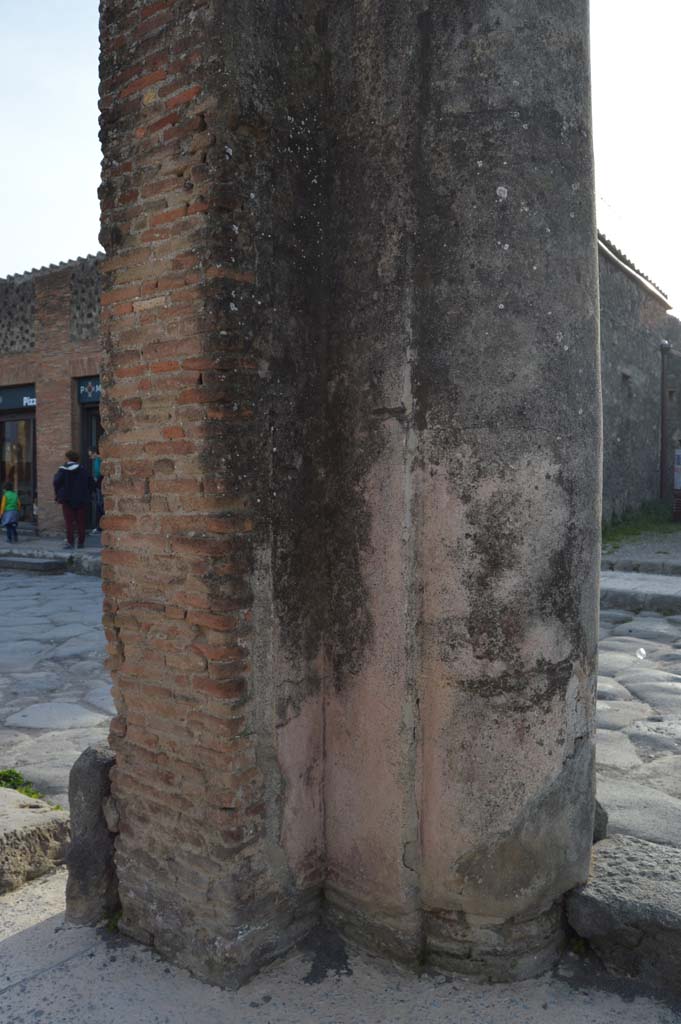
(621, 713)
(609, 689)
(69, 697)
(630, 909)
(33, 838)
(615, 750)
(92, 887)
(640, 809)
(55, 715)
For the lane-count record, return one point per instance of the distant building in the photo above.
(50, 352)
(641, 384)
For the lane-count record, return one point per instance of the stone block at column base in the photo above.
(214, 953)
(495, 950)
(395, 936)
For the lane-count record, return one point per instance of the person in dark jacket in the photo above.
(73, 487)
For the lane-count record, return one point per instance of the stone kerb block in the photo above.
(33, 838)
(92, 887)
(630, 910)
(600, 823)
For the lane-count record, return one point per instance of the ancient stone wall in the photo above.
(635, 325)
(353, 421)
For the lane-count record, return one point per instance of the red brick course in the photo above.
(196, 778)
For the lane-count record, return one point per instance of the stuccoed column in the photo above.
(465, 399)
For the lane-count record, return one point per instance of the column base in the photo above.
(395, 936)
(492, 949)
(224, 957)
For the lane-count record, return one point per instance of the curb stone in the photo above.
(34, 838)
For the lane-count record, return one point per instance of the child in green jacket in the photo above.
(10, 507)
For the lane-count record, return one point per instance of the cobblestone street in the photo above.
(54, 690)
(638, 749)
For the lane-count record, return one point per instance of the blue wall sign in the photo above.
(20, 397)
(89, 390)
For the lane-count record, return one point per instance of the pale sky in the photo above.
(50, 158)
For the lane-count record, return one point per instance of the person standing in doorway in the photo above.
(73, 486)
(96, 461)
(10, 507)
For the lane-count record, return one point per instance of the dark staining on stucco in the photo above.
(289, 449)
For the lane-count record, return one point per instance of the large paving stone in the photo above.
(655, 738)
(35, 682)
(646, 674)
(33, 838)
(100, 697)
(55, 715)
(84, 646)
(643, 649)
(664, 773)
(614, 663)
(21, 654)
(88, 667)
(647, 628)
(668, 661)
(630, 910)
(621, 713)
(664, 697)
(640, 810)
(615, 750)
(609, 689)
(59, 633)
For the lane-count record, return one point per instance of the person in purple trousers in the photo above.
(73, 487)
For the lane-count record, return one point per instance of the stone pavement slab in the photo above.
(54, 689)
(621, 713)
(56, 715)
(33, 838)
(645, 627)
(653, 739)
(639, 809)
(614, 749)
(610, 689)
(53, 974)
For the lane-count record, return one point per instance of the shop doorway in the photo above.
(17, 458)
(91, 431)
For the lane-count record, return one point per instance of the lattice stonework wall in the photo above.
(17, 317)
(353, 425)
(84, 301)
